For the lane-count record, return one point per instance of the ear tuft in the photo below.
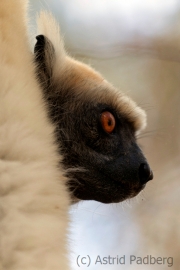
(44, 58)
(48, 27)
(40, 40)
(39, 47)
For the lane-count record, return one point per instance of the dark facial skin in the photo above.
(101, 166)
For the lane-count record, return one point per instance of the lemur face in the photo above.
(96, 129)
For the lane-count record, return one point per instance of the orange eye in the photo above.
(108, 121)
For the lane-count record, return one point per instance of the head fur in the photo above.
(100, 166)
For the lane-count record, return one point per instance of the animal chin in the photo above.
(81, 189)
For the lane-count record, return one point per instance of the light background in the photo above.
(135, 44)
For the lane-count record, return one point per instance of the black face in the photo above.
(100, 165)
(109, 165)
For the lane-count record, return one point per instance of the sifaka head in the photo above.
(96, 125)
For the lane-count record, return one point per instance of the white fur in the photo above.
(48, 26)
(33, 198)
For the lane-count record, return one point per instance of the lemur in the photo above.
(65, 135)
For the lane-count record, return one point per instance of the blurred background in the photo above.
(135, 44)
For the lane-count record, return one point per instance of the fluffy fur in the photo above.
(106, 167)
(33, 198)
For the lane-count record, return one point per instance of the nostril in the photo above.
(145, 173)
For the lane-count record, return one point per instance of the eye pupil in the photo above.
(108, 122)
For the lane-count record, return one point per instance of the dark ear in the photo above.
(44, 58)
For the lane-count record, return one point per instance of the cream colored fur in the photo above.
(33, 198)
(77, 73)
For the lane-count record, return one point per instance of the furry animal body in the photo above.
(90, 149)
(33, 198)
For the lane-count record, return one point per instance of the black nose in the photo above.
(145, 173)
